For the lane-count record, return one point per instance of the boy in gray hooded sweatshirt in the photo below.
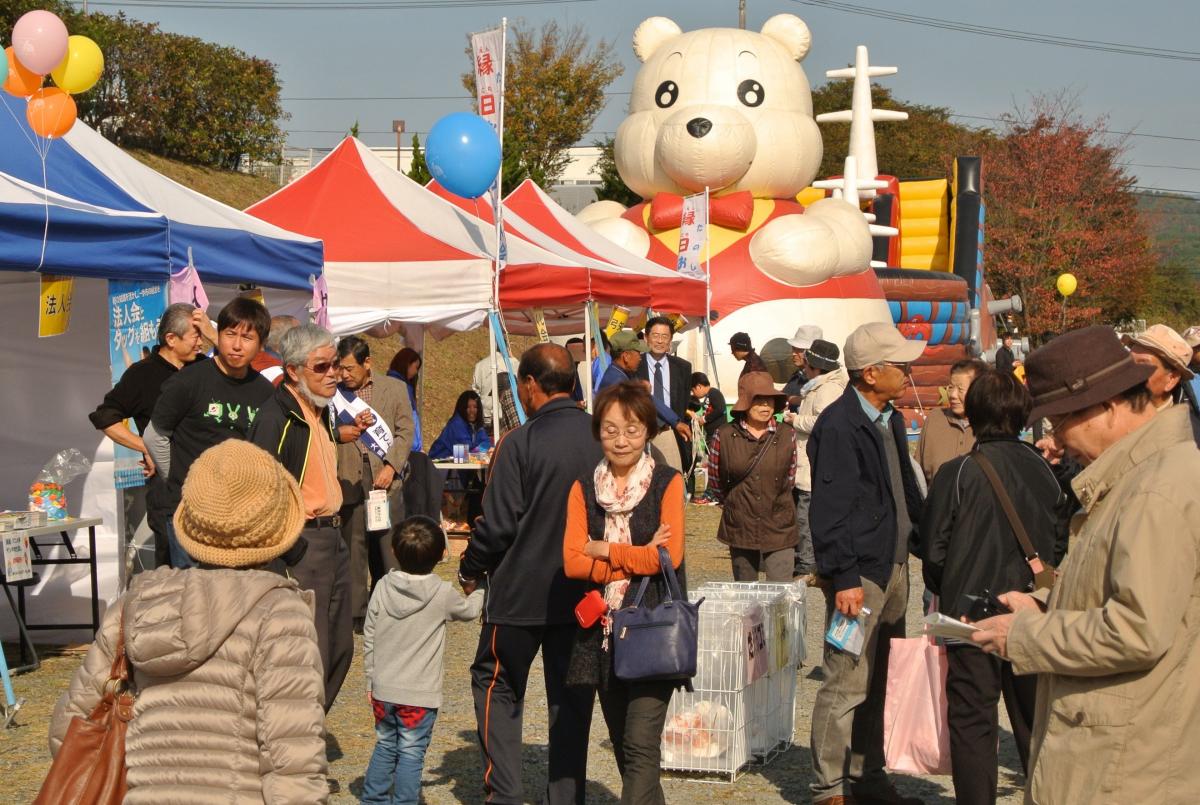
(403, 639)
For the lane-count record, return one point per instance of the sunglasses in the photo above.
(323, 367)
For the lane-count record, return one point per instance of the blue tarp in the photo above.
(107, 215)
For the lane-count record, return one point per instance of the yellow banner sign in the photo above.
(54, 305)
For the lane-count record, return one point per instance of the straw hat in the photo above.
(757, 384)
(1079, 369)
(239, 507)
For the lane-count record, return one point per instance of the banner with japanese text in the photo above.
(134, 310)
(488, 50)
(54, 305)
(693, 235)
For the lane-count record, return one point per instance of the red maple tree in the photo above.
(1058, 201)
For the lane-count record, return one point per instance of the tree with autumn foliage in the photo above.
(1058, 201)
(554, 87)
(174, 96)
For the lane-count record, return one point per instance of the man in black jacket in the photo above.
(518, 546)
(296, 426)
(865, 506)
(1005, 356)
(180, 332)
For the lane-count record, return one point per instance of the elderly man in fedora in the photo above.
(865, 507)
(1114, 642)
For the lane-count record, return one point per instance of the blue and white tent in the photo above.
(93, 186)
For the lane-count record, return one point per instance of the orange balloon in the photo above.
(21, 81)
(51, 112)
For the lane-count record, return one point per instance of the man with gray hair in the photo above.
(180, 332)
(296, 426)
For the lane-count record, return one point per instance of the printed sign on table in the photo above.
(18, 565)
(134, 310)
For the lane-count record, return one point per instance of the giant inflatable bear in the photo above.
(731, 110)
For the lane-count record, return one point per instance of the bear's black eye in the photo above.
(666, 94)
(751, 93)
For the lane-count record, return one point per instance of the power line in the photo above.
(325, 5)
(1104, 131)
(393, 97)
(1006, 33)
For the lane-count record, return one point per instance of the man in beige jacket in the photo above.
(1118, 699)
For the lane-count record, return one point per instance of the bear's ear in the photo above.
(651, 34)
(791, 32)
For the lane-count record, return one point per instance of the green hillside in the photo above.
(1174, 222)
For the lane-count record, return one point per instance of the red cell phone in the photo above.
(590, 608)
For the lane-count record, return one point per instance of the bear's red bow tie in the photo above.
(733, 211)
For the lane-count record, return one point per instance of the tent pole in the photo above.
(587, 354)
(495, 380)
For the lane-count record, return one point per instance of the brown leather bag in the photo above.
(89, 768)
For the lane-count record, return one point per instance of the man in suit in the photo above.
(670, 384)
(360, 470)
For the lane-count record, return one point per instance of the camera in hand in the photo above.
(979, 607)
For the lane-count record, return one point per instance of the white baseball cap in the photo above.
(805, 335)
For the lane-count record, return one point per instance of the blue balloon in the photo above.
(463, 154)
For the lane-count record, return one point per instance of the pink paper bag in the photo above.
(916, 731)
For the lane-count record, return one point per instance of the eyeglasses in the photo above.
(903, 367)
(632, 432)
(323, 367)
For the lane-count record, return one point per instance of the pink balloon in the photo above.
(39, 41)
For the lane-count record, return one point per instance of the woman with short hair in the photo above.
(752, 469)
(969, 550)
(616, 521)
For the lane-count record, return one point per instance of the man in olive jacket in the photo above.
(1114, 642)
(361, 471)
(865, 507)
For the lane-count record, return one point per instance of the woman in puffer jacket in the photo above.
(224, 656)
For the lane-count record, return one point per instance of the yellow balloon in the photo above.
(81, 68)
(1066, 284)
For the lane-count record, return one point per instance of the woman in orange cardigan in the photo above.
(616, 521)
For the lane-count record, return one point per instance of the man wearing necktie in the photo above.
(668, 376)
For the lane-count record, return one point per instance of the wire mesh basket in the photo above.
(749, 646)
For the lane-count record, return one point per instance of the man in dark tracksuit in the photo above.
(517, 546)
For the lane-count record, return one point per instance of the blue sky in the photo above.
(419, 52)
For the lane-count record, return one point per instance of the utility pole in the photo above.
(398, 127)
(741, 13)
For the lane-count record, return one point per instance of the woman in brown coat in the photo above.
(751, 467)
(224, 656)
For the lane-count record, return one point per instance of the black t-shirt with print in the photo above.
(200, 406)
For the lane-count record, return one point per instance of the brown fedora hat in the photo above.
(757, 384)
(1079, 369)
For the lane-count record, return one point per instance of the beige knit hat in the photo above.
(239, 507)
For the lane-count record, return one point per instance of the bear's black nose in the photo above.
(699, 126)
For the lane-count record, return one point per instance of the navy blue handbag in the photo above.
(656, 642)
